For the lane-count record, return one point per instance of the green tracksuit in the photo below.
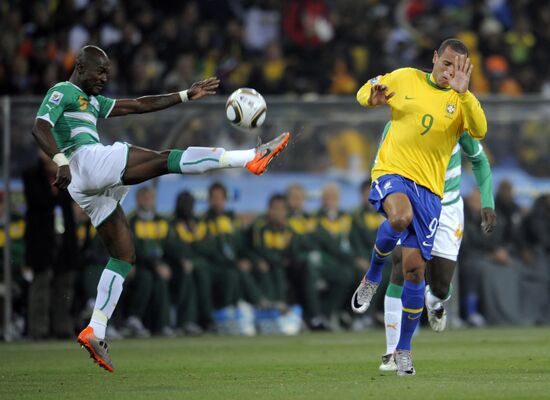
(150, 294)
(193, 274)
(304, 269)
(226, 247)
(337, 265)
(272, 244)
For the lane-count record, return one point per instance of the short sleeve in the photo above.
(54, 104)
(106, 105)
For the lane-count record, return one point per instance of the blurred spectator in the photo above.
(490, 277)
(193, 278)
(261, 25)
(538, 224)
(342, 81)
(149, 294)
(227, 250)
(271, 239)
(304, 277)
(271, 74)
(20, 274)
(350, 154)
(51, 252)
(338, 269)
(226, 37)
(509, 217)
(307, 23)
(183, 75)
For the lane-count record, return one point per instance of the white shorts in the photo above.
(96, 183)
(449, 232)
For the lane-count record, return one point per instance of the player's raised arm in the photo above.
(374, 95)
(147, 104)
(475, 122)
(377, 91)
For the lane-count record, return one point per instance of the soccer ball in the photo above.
(246, 108)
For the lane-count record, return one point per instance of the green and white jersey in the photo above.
(73, 115)
(473, 150)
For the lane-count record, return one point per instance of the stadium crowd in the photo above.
(278, 47)
(222, 272)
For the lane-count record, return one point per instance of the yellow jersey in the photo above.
(426, 123)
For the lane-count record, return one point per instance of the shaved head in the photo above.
(89, 54)
(91, 70)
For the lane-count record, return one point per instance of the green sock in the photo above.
(174, 159)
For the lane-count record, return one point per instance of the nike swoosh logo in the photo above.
(413, 318)
(426, 244)
(409, 98)
(267, 152)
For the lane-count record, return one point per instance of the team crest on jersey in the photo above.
(94, 103)
(451, 108)
(56, 97)
(374, 80)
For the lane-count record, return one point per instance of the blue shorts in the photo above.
(426, 210)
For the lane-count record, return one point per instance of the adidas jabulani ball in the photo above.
(246, 108)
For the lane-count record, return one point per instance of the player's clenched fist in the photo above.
(63, 177)
(378, 95)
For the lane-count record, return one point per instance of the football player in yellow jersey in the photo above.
(429, 112)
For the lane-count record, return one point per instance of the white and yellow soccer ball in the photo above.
(246, 108)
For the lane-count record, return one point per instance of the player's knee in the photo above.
(400, 222)
(415, 273)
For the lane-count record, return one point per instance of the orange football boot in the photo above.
(99, 352)
(265, 153)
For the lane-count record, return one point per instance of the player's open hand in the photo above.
(488, 220)
(203, 88)
(378, 95)
(63, 177)
(463, 71)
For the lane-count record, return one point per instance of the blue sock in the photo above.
(386, 239)
(413, 304)
(471, 303)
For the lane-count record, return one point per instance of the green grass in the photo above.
(482, 364)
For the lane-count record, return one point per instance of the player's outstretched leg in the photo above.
(116, 236)
(398, 208)
(201, 159)
(144, 164)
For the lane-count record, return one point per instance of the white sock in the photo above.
(109, 290)
(434, 302)
(392, 322)
(237, 158)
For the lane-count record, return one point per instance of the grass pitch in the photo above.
(464, 364)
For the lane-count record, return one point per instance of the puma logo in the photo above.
(392, 326)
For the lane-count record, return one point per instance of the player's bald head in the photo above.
(91, 70)
(91, 55)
